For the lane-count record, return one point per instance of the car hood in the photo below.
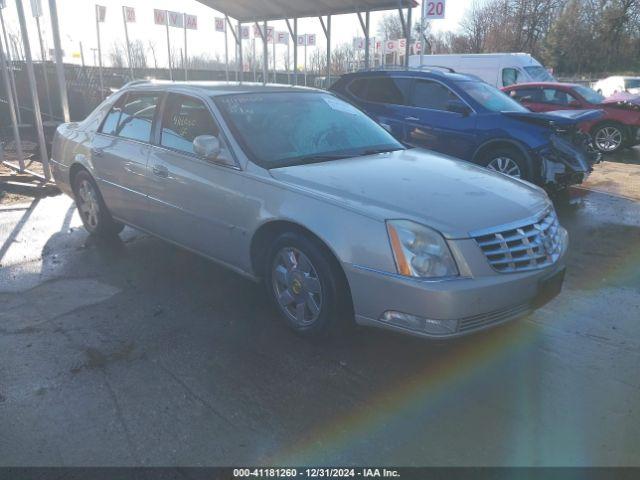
(557, 117)
(622, 100)
(452, 196)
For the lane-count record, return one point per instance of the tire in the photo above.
(94, 213)
(609, 137)
(508, 161)
(306, 286)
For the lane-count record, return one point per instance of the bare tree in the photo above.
(476, 25)
(152, 48)
(138, 54)
(390, 27)
(117, 55)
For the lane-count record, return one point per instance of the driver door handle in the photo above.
(411, 119)
(160, 171)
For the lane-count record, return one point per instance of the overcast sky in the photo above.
(77, 24)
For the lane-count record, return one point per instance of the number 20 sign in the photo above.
(433, 9)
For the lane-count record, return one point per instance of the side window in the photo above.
(136, 116)
(110, 124)
(555, 96)
(358, 87)
(526, 94)
(387, 90)
(433, 95)
(509, 76)
(184, 119)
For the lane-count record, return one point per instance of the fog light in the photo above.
(419, 324)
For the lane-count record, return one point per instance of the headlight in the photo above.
(420, 251)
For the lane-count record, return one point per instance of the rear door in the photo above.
(385, 100)
(430, 124)
(119, 153)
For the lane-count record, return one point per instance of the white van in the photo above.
(498, 69)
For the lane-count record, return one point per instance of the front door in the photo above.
(192, 201)
(431, 123)
(119, 153)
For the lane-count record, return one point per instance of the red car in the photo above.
(617, 128)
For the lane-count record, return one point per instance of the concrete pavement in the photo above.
(135, 352)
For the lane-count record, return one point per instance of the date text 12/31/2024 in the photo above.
(315, 473)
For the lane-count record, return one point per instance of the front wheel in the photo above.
(608, 137)
(94, 213)
(305, 285)
(507, 161)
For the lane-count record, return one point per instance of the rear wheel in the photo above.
(508, 161)
(306, 286)
(94, 213)
(608, 137)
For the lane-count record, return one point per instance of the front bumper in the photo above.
(568, 161)
(472, 304)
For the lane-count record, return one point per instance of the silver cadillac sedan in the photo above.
(299, 189)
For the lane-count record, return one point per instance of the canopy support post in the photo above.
(294, 37)
(37, 114)
(327, 34)
(407, 47)
(12, 108)
(237, 39)
(265, 53)
(14, 90)
(57, 48)
(240, 60)
(365, 24)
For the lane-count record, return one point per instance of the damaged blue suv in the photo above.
(462, 116)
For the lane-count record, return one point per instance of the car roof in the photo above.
(215, 88)
(433, 72)
(542, 84)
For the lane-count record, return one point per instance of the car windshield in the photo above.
(491, 98)
(631, 83)
(539, 74)
(291, 128)
(588, 94)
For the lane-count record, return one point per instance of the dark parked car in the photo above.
(462, 116)
(616, 129)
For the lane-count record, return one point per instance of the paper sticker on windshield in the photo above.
(340, 106)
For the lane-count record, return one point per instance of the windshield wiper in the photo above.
(316, 158)
(373, 151)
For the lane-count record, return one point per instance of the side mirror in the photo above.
(207, 146)
(574, 104)
(456, 106)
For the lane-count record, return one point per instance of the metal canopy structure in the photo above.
(246, 11)
(261, 11)
(257, 12)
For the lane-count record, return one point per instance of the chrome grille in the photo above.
(526, 247)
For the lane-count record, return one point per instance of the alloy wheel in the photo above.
(505, 165)
(88, 204)
(296, 286)
(608, 139)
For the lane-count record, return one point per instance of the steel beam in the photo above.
(365, 24)
(241, 62)
(327, 33)
(294, 36)
(62, 83)
(407, 47)
(14, 90)
(12, 107)
(37, 114)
